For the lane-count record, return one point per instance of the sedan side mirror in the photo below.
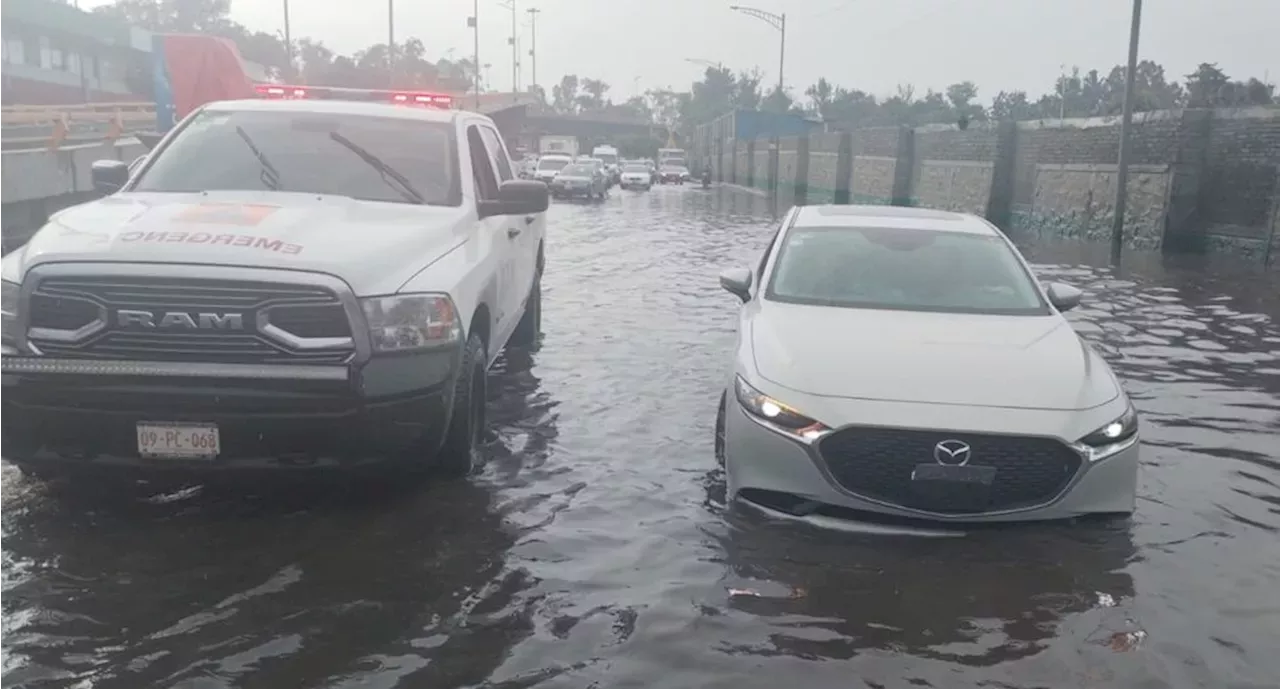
(1063, 297)
(517, 197)
(108, 176)
(737, 281)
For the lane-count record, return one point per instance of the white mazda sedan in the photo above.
(906, 362)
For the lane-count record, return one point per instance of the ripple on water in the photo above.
(595, 548)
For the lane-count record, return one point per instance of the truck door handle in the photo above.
(513, 232)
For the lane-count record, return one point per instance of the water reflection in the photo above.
(996, 596)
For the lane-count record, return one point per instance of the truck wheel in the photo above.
(466, 428)
(530, 325)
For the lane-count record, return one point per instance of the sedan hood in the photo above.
(374, 246)
(1031, 362)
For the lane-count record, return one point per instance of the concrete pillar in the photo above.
(902, 172)
(751, 163)
(844, 169)
(802, 172)
(1000, 200)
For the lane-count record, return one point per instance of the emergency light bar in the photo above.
(281, 91)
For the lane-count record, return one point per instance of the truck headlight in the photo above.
(1111, 438)
(9, 299)
(778, 415)
(411, 322)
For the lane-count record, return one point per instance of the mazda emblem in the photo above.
(952, 453)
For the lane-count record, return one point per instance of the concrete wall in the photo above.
(38, 183)
(1198, 179)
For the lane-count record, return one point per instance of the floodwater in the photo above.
(594, 549)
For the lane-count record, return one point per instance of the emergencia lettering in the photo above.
(241, 240)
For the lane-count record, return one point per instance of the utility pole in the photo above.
(391, 42)
(533, 43)
(1126, 123)
(475, 55)
(288, 43)
(515, 51)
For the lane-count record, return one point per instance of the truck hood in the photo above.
(375, 247)
(1028, 362)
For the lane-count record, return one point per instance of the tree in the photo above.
(1206, 86)
(564, 96)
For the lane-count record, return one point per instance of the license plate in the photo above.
(158, 440)
(954, 474)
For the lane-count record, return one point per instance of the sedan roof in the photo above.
(895, 217)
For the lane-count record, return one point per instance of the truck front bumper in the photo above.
(81, 414)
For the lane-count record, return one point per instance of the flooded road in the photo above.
(594, 548)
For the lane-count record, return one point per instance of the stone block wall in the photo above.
(824, 177)
(1239, 197)
(879, 161)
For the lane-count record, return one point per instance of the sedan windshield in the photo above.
(909, 270)
(578, 171)
(636, 168)
(552, 164)
(370, 158)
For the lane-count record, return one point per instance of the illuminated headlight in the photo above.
(411, 322)
(779, 416)
(1114, 437)
(12, 294)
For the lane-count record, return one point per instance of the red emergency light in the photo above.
(281, 91)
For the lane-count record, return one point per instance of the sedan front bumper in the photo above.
(788, 478)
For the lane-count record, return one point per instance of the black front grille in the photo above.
(878, 463)
(68, 304)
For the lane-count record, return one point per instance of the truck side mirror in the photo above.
(108, 176)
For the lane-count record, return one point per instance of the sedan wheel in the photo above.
(720, 430)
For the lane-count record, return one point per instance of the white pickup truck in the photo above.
(281, 284)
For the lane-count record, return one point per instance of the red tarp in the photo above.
(203, 69)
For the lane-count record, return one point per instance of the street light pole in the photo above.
(475, 55)
(391, 42)
(533, 43)
(1126, 123)
(288, 43)
(515, 51)
(777, 21)
(704, 63)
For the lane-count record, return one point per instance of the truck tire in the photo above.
(462, 439)
(530, 325)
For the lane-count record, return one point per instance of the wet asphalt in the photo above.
(594, 548)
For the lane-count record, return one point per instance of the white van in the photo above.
(609, 155)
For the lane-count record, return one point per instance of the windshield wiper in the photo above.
(388, 173)
(269, 175)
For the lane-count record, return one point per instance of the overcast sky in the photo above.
(869, 44)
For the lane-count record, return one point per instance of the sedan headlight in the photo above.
(1111, 438)
(411, 322)
(12, 294)
(781, 417)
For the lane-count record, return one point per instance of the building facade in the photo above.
(56, 54)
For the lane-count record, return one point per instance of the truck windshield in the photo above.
(369, 158)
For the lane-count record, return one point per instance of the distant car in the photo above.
(549, 166)
(580, 179)
(673, 174)
(636, 176)
(907, 362)
(600, 164)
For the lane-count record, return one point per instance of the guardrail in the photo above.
(51, 126)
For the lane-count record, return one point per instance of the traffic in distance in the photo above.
(560, 166)
(320, 279)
